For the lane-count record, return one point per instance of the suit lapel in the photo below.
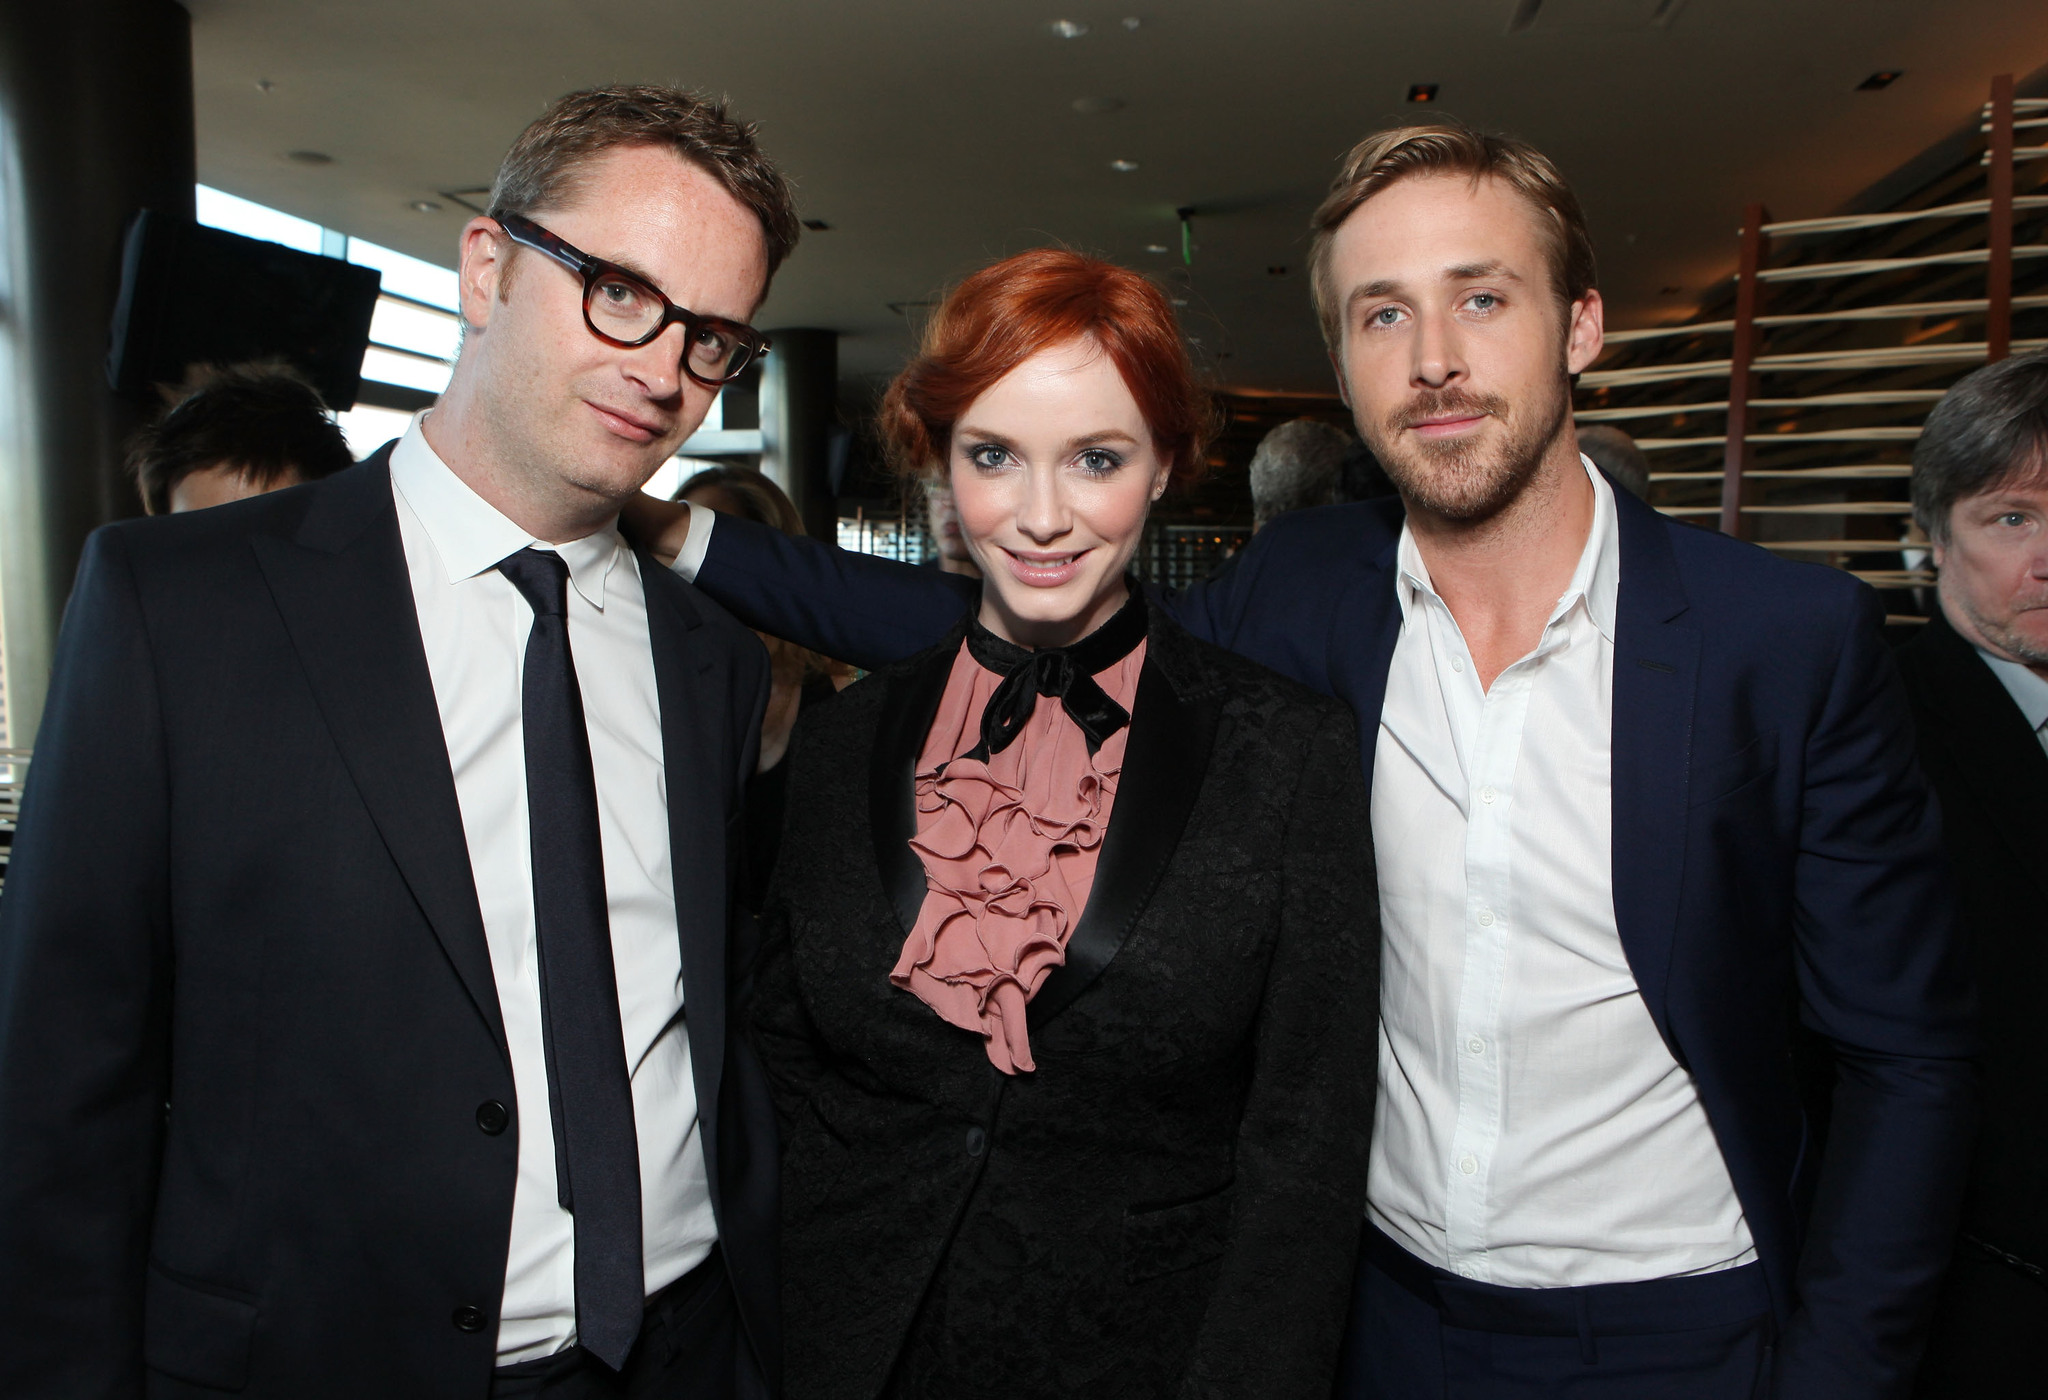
(911, 705)
(1656, 678)
(695, 715)
(1367, 625)
(342, 587)
(1173, 729)
(1997, 755)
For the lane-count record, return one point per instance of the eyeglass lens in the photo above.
(630, 311)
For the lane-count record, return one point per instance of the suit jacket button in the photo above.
(492, 1117)
(977, 1142)
(468, 1319)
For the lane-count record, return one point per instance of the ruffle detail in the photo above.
(1009, 848)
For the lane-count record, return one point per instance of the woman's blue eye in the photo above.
(987, 455)
(1099, 462)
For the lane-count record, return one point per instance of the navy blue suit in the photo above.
(1776, 856)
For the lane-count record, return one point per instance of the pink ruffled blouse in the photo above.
(1009, 849)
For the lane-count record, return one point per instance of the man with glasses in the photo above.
(363, 965)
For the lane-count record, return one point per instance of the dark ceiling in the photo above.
(935, 136)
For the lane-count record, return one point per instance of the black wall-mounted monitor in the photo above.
(192, 295)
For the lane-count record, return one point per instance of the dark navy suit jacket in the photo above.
(1777, 857)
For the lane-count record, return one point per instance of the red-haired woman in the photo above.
(1069, 991)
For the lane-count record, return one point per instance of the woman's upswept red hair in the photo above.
(1009, 311)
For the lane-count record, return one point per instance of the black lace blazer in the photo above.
(1170, 1204)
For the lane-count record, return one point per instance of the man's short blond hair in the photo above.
(1449, 148)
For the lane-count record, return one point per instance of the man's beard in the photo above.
(1464, 479)
(2007, 637)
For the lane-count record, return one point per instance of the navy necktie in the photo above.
(590, 1098)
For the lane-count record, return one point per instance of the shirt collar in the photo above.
(1596, 579)
(471, 535)
(2028, 690)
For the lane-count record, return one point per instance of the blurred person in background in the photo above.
(1977, 675)
(942, 522)
(1297, 465)
(800, 678)
(1616, 453)
(238, 432)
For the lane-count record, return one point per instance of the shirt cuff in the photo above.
(690, 557)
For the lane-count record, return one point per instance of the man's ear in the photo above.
(1585, 331)
(482, 254)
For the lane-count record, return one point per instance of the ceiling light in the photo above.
(817, 226)
(1097, 106)
(309, 157)
(1132, 22)
(264, 85)
(1422, 92)
(1156, 248)
(1879, 81)
(1069, 28)
(1123, 167)
(425, 206)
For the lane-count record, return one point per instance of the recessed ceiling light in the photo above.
(1156, 248)
(1879, 80)
(426, 206)
(1123, 167)
(1422, 92)
(264, 85)
(309, 157)
(1097, 106)
(1069, 28)
(1132, 22)
(817, 226)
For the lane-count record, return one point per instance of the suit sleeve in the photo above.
(1276, 1319)
(872, 612)
(85, 954)
(850, 606)
(1881, 977)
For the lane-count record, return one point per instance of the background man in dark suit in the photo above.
(1978, 678)
(363, 964)
(1642, 795)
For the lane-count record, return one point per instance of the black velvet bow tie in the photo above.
(1067, 672)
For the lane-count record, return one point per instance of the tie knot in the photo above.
(542, 577)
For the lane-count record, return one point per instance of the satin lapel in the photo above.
(1996, 754)
(346, 598)
(1165, 760)
(1656, 680)
(700, 770)
(907, 714)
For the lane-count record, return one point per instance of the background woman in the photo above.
(1069, 988)
(798, 678)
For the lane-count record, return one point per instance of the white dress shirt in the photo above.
(1533, 1129)
(2026, 686)
(475, 624)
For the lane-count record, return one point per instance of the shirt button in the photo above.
(1468, 1165)
(1486, 918)
(1458, 664)
(1476, 1045)
(467, 1319)
(492, 1117)
(1486, 795)
(977, 1142)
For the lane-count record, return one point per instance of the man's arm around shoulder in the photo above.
(84, 1005)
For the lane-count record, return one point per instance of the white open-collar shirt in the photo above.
(475, 624)
(1533, 1128)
